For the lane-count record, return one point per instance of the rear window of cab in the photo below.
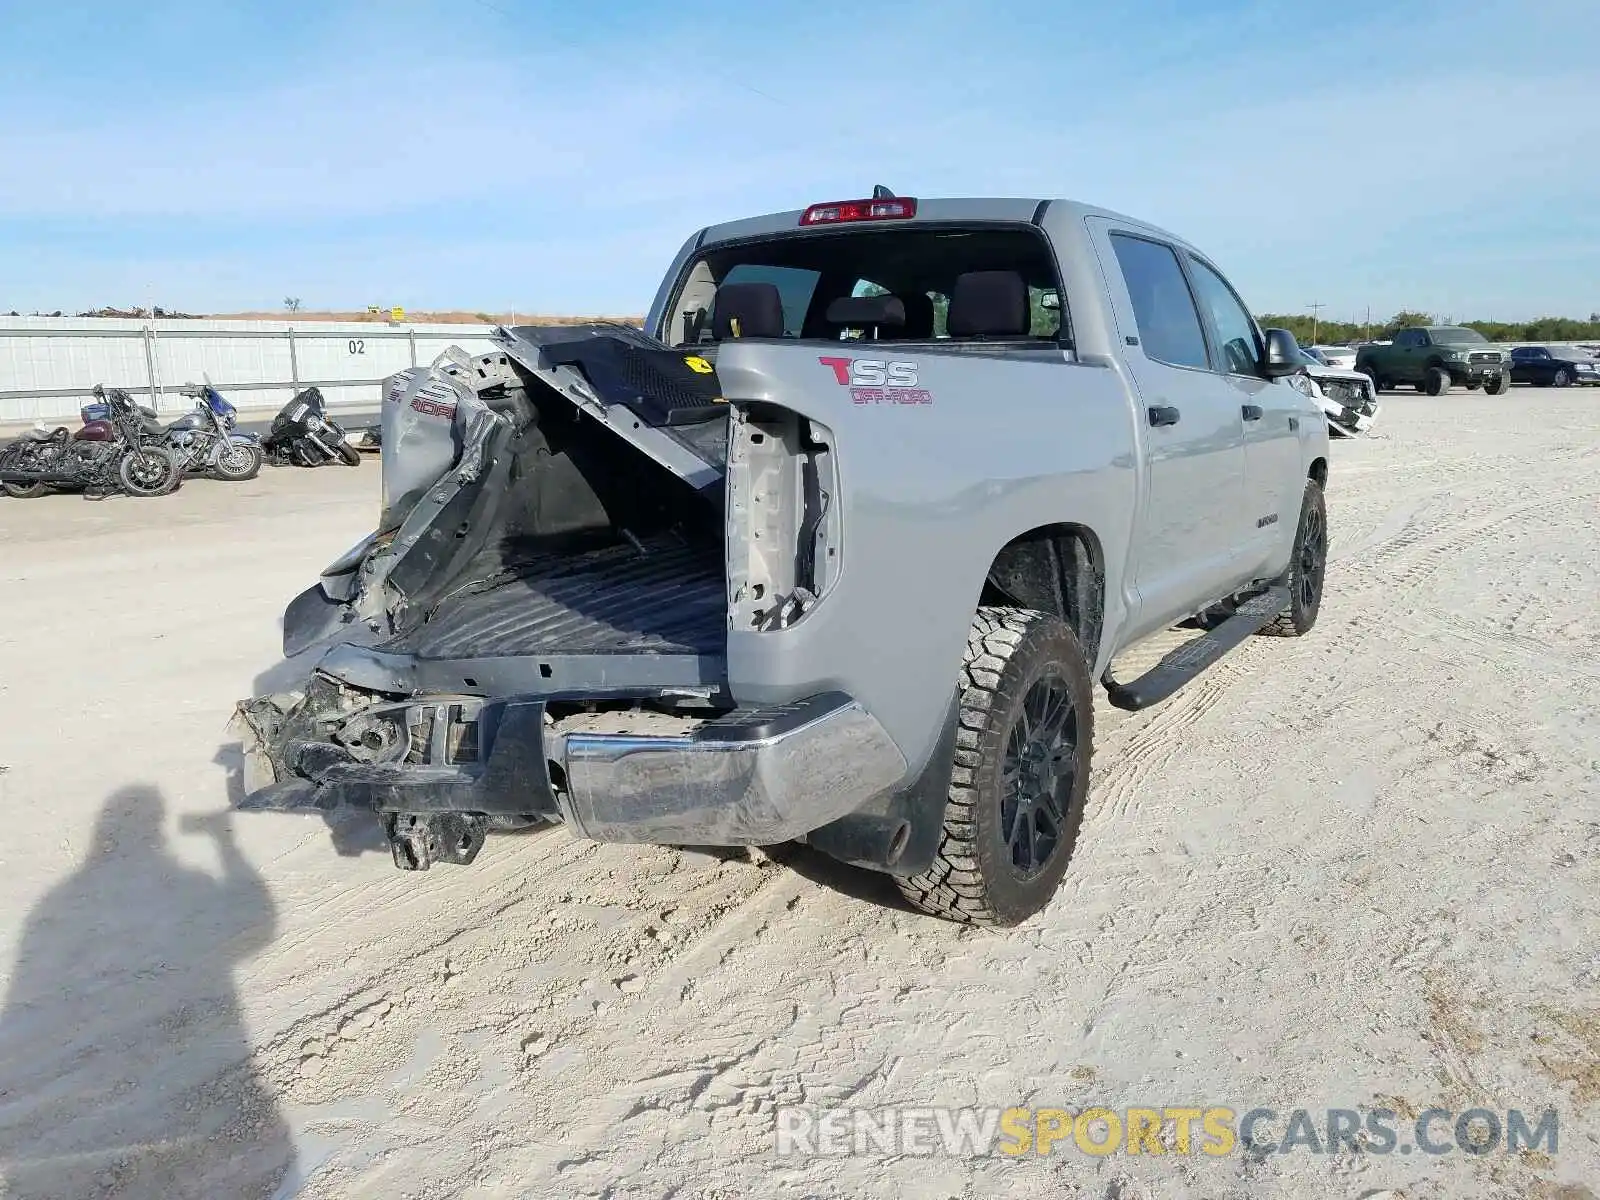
(919, 265)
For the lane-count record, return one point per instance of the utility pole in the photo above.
(1368, 334)
(1316, 311)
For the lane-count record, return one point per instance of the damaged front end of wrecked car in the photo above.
(537, 630)
(1347, 398)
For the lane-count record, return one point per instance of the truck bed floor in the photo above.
(669, 600)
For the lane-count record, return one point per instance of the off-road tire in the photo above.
(1379, 383)
(1436, 382)
(972, 878)
(349, 455)
(1500, 386)
(1561, 378)
(1308, 562)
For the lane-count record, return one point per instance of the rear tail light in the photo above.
(839, 212)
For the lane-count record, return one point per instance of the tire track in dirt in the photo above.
(1492, 645)
(1412, 559)
(520, 973)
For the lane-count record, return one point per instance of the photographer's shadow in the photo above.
(125, 1067)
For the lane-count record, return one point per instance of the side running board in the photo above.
(1199, 654)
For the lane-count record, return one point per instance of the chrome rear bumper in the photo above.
(756, 777)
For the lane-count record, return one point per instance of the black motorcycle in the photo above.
(303, 435)
(120, 450)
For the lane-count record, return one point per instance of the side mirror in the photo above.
(1283, 354)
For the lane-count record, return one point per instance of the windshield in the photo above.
(918, 266)
(218, 404)
(1452, 335)
(1312, 358)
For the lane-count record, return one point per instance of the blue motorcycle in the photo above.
(207, 440)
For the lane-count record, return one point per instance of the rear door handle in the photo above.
(1163, 415)
(1252, 412)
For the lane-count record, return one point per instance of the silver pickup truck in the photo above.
(833, 550)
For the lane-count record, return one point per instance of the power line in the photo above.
(1316, 310)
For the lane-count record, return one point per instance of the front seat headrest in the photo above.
(989, 304)
(854, 312)
(747, 310)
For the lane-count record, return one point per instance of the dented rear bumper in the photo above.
(456, 767)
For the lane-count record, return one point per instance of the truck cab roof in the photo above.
(1030, 210)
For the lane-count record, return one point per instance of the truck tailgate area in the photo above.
(668, 598)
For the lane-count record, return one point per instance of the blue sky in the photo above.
(544, 157)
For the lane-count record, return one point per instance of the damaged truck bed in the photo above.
(538, 633)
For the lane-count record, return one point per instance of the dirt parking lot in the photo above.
(1360, 870)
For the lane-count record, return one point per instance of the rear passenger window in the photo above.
(795, 285)
(1169, 326)
(1236, 332)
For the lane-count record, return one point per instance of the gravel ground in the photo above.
(1357, 870)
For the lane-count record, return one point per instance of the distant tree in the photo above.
(1403, 318)
(292, 303)
(1541, 329)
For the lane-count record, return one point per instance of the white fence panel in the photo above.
(49, 365)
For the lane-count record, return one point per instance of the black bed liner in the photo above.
(616, 600)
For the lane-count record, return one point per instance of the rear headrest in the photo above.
(919, 317)
(857, 311)
(989, 304)
(748, 310)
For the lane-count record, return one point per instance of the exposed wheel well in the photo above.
(1319, 472)
(1058, 569)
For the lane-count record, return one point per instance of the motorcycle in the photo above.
(303, 434)
(117, 451)
(207, 440)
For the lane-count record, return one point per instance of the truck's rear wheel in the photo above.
(1307, 565)
(1437, 381)
(1021, 773)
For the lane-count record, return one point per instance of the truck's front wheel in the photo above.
(1021, 773)
(1307, 565)
(1437, 381)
